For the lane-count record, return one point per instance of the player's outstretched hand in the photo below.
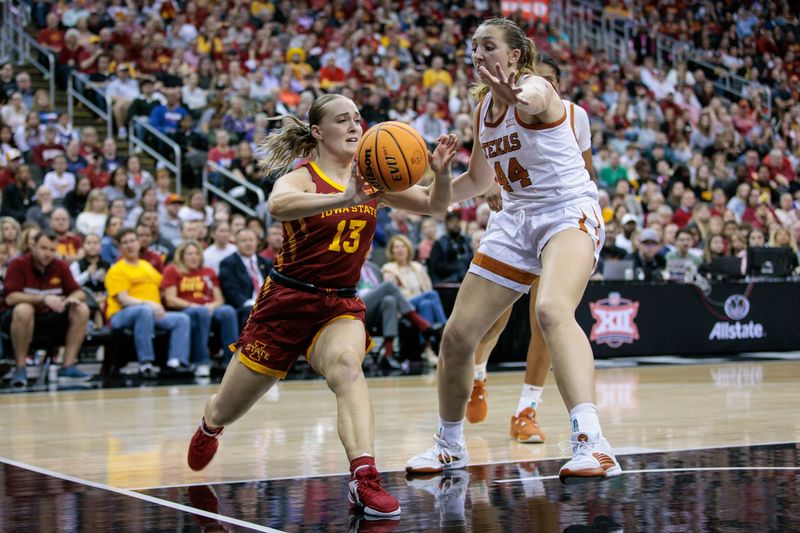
(442, 156)
(357, 191)
(504, 88)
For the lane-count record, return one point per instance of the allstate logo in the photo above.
(737, 306)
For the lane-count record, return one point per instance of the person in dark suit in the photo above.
(241, 274)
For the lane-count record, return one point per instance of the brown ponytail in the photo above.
(515, 39)
(294, 140)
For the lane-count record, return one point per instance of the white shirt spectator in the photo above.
(623, 242)
(65, 134)
(123, 89)
(196, 98)
(187, 213)
(91, 223)
(259, 91)
(390, 76)
(60, 184)
(213, 256)
(430, 127)
(188, 33)
(21, 138)
(11, 117)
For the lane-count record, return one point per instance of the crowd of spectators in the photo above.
(686, 174)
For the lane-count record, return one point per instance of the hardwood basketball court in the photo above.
(118, 457)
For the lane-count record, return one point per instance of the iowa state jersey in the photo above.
(539, 166)
(328, 249)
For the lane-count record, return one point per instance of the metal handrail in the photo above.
(72, 93)
(142, 125)
(20, 43)
(583, 20)
(227, 174)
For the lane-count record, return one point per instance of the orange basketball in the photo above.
(392, 156)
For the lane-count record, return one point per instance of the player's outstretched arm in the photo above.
(294, 197)
(435, 198)
(479, 175)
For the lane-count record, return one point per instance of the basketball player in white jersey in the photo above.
(524, 427)
(549, 226)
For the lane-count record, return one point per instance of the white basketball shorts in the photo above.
(511, 249)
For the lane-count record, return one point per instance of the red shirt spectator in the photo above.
(331, 75)
(153, 258)
(196, 286)
(681, 217)
(96, 175)
(69, 245)
(56, 279)
(779, 164)
(222, 155)
(52, 37)
(43, 154)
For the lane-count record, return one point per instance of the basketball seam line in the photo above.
(377, 163)
(415, 134)
(400, 149)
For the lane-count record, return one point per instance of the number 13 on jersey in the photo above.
(516, 172)
(348, 244)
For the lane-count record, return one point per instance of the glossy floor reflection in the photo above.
(727, 489)
(33, 502)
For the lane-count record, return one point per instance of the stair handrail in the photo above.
(75, 94)
(227, 174)
(137, 141)
(16, 41)
(608, 30)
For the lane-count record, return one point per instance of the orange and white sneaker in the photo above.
(524, 427)
(441, 456)
(478, 407)
(592, 457)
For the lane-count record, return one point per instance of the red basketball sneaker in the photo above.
(202, 447)
(367, 493)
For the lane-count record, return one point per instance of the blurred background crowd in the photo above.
(688, 173)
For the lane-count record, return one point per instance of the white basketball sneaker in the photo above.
(592, 457)
(439, 457)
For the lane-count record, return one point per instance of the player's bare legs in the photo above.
(523, 426)
(567, 263)
(566, 266)
(239, 390)
(337, 355)
(467, 325)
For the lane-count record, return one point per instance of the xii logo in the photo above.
(614, 321)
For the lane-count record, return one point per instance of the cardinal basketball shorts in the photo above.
(286, 323)
(511, 249)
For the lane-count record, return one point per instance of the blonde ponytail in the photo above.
(294, 140)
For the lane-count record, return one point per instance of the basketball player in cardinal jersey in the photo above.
(549, 227)
(524, 427)
(308, 305)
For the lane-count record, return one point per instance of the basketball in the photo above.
(392, 156)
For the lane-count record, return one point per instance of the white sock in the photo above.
(531, 397)
(451, 432)
(480, 371)
(584, 419)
